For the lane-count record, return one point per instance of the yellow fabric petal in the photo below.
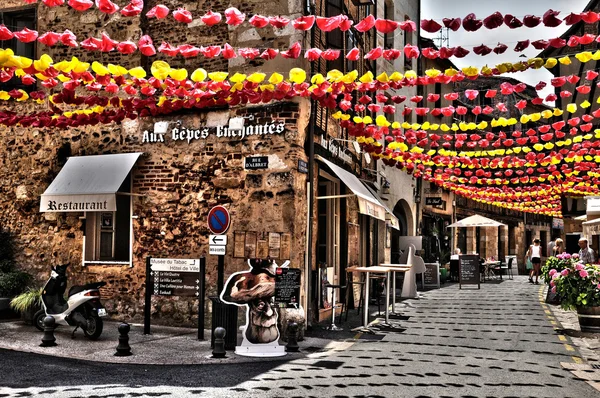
(237, 77)
(585, 104)
(550, 63)
(137, 72)
(584, 56)
(159, 69)
(218, 76)
(565, 60)
(432, 72)
(450, 72)
(366, 78)
(410, 74)
(382, 121)
(297, 75)
(572, 108)
(199, 75)
(256, 77)
(335, 74)
(178, 74)
(396, 77)
(316, 79)
(98, 68)
(43, 63)
(24, 97)
(470, 71)
(4, 96)
(117, 70)
(383, 77)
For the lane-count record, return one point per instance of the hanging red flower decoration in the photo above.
(586, 39)
(411, 51)
(279, 22)
(268, 54)
(365, 24)
(293, 52)
(451, 96)
(330, 55)
(557, 42)
(68, 38)
(460, 52)
(53, 3)
(327, 24)
(374, 54)
(353, 55)
(234, 17)
(107, 44)
(572, 19)
(107, 6)
(146, 46)
(132, 9)
(550, 20)
(583, 89)
(540, 44)
(258, 21)
(398, 99)
(26, 35)
(471, 94)
(160, 11)
(429, 25)
(49, 38)
(521, 45)
(249, 53)
(500, 48)
(5, 33)
(126, 47)
(168, 49)
(452, 23)
(182, 15)
(312, 54)
(573, 79)
(304, 22)
(531, 21)
(408, 26)
(391, 54)
(91, 44)
(433, 97)
(385, 25)
(482, 50)
(493, 21)
(189, 51)
(447, 52)
(81, 5)
(471, 23)
(591, 75)
(430, 53)
(228, 52)
(590, 17)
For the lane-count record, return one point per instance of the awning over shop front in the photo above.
(367, 203)
(591, 227)
(390, 217)
(88, 183)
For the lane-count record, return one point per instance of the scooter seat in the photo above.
(88, 286)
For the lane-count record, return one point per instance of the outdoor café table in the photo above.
(395, 268)
(368, 271)
(489, 269)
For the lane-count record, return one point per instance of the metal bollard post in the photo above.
(123, 349)
(292, 333)
(219, 349)
(48, 340)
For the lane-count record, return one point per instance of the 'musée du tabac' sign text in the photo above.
(180, 133)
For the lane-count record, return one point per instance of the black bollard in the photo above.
(123, 349)
(219, 349)
(48, 340)
(292, 334)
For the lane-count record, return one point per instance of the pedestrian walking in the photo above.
(550, 247)
(586, 253)
(558, 248)
(534, 254)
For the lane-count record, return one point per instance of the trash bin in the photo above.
(224, 315)
(443, 275)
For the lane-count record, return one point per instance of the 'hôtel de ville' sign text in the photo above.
(180, 133)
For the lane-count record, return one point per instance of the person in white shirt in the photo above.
(535, 256)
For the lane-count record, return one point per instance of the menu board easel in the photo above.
(468, 270)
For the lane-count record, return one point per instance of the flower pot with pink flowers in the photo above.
(552, 266)
(578, 286)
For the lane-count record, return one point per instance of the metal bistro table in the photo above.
(367, 271)
(396, 268)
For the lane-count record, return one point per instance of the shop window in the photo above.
(108, 234)
(328, 232)
(335, 38)
(16, 21)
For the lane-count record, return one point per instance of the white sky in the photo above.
(439, 9)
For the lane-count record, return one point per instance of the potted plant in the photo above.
(27, 303)
(557, 263)
(578, 287)
(12, 281)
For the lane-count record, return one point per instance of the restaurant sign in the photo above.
(189, 135)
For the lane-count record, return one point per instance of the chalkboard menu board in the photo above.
(431, 276)
(468, 265)
(287, 287)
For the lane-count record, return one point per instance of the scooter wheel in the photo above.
(38, 320)
(94, 327)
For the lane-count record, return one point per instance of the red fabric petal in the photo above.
(330, 55)
(433, 97)
(471, 23)
(91, 44)
(431, 26)
(107, 6)
(471, 94)
(304, 22)
(408, 26)
(493, 21)
(451, 96)
(293, 52)
(68, 39)
(228, 52)
(53, 3)
(537, 101)
(521, 45)
(540, 44)
(26, 35)
(327, 24)
(268, 54)
(573, 79)
(460, 52)
(189, 51)
(107, 44)
(259, 21)
(531, 21)
(312, 54)
(500, 48)
(168, 49)
(346, 23)
(211, 18)
(146, 46)
(590, 17)
(572, 19)
(159, 11)
(5, 33)
(126, 47)
(558, 81)
(248, 53)
(279, 22)
(49, 38)
(234, 17)
(447, 52)
(557, 42)
(81, 5)
(132, 9)
(512, 22)
(452, 23)
(583, 89)
(586, 39)
(374, 54)
(411, 51)
(491, 93)
(550, 20)
(353, 55)
(520, 87)
(182, 15)
(540, 86)
(482, 50)
(385, 25)
(430, 53)
(573, 41)
(391, 54)
(365, 24)
(591, 75)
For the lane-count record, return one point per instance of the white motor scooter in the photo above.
(82, 308)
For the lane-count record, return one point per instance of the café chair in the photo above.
(350, 282)
(333, 289)
(507, 269)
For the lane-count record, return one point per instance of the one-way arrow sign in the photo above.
(217, 240)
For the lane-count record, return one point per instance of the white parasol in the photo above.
(476, 221)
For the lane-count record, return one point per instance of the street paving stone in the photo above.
(497, 341)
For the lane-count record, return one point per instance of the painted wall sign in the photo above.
(336, 149)
(433, 201)
(218, 219)
(256, 162)
(189, 135)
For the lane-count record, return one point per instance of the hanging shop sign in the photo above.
(185, 134)
(256, 162)
(558, 223)
(433, 201)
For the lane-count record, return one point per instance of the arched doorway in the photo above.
(403, 213)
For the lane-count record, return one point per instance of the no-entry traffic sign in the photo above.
(218, 220)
